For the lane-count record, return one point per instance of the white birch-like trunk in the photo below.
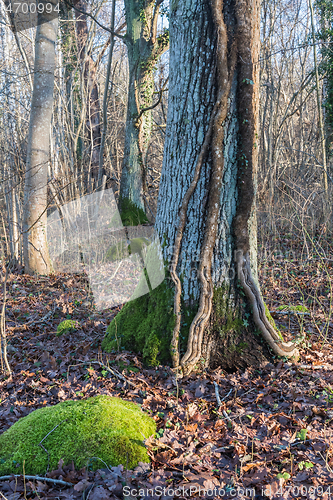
(36, 255)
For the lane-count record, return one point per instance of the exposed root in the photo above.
(278, 346)
(178, 241)
(244, 46)
(215, 136)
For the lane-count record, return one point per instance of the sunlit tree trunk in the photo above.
(206, 208)
(36, 255)
(144, 48)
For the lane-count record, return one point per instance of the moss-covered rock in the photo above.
(130, 214)
(104, 427)
(66, 326)
(144, 325)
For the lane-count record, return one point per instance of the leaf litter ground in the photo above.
(271, 437)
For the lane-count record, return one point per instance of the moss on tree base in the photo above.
(144, 325)
(131, 215)
(104, 427)
(233, 341)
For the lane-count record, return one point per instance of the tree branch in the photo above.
(149, 108)
(94, 19)
(153, 31)
(102, 52)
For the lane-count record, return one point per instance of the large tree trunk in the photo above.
(144, 48)
(206, 208)
(36, 256)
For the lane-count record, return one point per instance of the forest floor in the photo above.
(271, 437)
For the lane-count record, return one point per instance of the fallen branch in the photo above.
(217, 394)
(102, 365)
(315, 367)
(37, 478)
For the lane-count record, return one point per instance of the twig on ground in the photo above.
(102, 365)
(143, 381)
(315, 367)
(219, 402)
(42, 320)
(217, 394)
(225, 397)
(90, 488)
(224, 448)
(40, 444)
(37, 478)
(97, 458)
(227, 416)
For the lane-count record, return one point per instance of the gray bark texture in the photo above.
(93, 116)
(230, 318)
(36, 256)
(206, 207)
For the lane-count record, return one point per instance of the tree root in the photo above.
(278, 346)
(179, 238)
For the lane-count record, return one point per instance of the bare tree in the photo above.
(206, 209)
(36, 256)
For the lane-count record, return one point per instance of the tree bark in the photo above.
(36, 256)
(144, 48)
(206, 206)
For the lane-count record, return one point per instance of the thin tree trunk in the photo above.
(93, 118)
(101, 180)
(144, 48)
(320, 111)
(36, 255)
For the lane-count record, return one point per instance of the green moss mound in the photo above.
(131, 215)
(104, 427)
(66, 326)
(144, 325)
(293, 308)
